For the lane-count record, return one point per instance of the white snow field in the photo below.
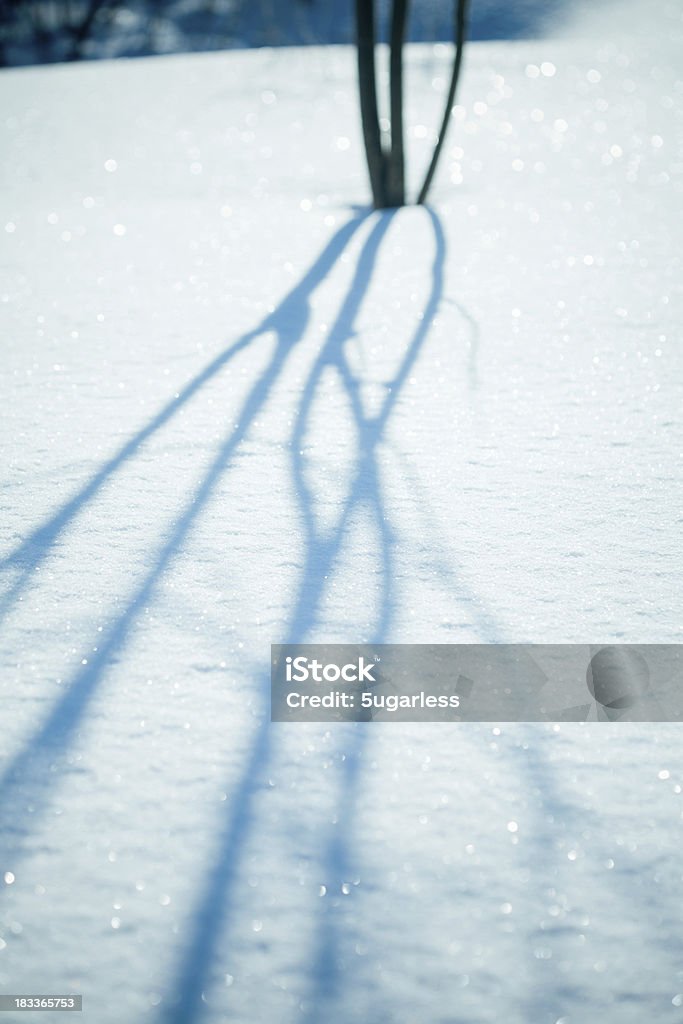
(238, 408)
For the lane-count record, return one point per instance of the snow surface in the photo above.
(240, 409)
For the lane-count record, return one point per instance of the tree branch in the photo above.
(460, 32)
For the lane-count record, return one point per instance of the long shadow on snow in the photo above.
(211, 917)
(212, 913)
(30, 776)
(35, 770)
(326, 957)
(288, 321)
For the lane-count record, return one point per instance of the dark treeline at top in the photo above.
(42, 31)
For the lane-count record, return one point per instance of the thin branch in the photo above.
(460, 32)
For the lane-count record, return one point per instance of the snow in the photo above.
(240, 409)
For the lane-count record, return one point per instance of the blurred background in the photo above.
(47, 31)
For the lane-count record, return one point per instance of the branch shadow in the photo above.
(325, 977)
(212, 911)
(34, 771)
(288, 321)
(212, 915)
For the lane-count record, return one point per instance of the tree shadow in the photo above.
(288, 322)
(41, 764)
(325, 976)
(212, 915)
(33, 772)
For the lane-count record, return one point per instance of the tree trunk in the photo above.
(365, 44)
(395, 179)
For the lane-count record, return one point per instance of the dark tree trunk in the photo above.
(395, 178)
(365, 43)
